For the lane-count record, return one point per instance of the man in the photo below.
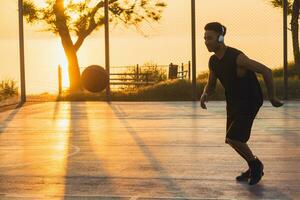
(236, 72)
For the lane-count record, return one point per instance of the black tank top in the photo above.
(244, 91)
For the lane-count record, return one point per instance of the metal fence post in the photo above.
(107, 61)
(182, 71)
(21, 47)
(59, 80)
(285, 61)
(194, 86)
(137, 72)
(189, 70)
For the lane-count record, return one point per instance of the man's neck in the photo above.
(221, 51)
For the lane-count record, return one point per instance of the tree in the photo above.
(81, 17)
(293, 10)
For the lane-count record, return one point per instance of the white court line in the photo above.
(77, 150)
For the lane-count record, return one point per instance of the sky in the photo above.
(254, 27)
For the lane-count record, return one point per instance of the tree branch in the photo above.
(82, 34)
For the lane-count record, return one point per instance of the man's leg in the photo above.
(242, 149)
(244, 176)
(238, 133)
(255, 171)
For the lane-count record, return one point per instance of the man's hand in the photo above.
(276, 102)
(203, 99)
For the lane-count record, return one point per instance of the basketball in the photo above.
(94, 78)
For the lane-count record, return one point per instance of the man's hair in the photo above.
(217, 27)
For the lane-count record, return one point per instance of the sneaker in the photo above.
(256, 171)
(244, 176)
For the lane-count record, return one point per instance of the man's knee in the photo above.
(231, 141)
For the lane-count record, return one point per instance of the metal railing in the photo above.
(135, 76)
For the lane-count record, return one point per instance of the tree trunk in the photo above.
(69, 48)
(73, 67)
(295, 34)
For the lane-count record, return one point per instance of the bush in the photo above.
(177, 90)
(293, 71)
(164, 91)
(169, 90)
(203, 76)
(154, 74)
(8, 88)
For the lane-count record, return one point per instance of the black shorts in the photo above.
(239, 123)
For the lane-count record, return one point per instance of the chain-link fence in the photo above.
(255, 27)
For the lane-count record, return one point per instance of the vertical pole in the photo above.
(21, 48)
(194, 89)
(137, 72)
(107, 64)
(182, 71)
(147, 78)
(59, 80)
(285, 51)
(189, 70)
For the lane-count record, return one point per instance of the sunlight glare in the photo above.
(64, 70)
(40, 3)
(74, 1)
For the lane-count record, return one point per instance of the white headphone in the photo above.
(221, 37)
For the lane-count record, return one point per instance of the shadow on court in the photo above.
(85, 172)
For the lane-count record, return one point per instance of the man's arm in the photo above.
(244, 62)
(208, 89)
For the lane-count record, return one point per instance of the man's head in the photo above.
(214, 36)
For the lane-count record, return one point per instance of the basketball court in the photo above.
(142, 150)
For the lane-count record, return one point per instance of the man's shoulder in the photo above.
(234, 50)
(212, 58)
(211, 62)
